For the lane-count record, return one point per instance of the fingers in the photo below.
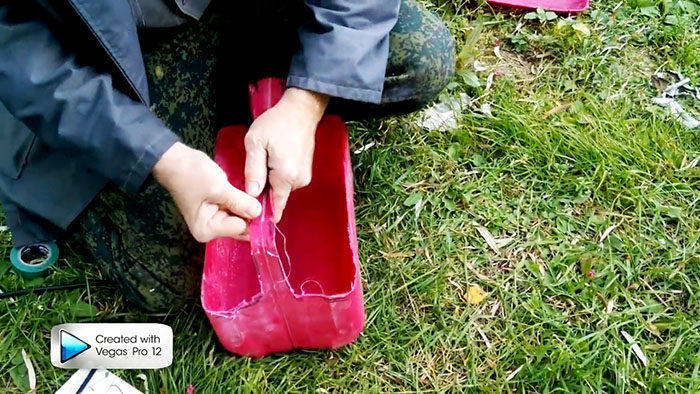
(238, 202)
(234, 227)
(224, 225)
(280, 195)
(285, 179)
(255, 164)
(212, 223)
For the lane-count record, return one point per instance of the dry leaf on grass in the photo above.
(486, 234)
(494, 308)
(364, 148)
(484, 337)
(145, 381)
(475, 295)
(610, 307)
(635, 348)
(455, 284)
(31, 374)
(479, 66)
(489, 81)
(607, 232)
(512, 374)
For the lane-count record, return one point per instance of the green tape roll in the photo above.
(33, 260)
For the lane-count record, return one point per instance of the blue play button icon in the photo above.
(71, 346)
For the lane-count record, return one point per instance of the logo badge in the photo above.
(112, 345)
(71, 346)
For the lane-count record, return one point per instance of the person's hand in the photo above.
(211, 206)
(282, 140)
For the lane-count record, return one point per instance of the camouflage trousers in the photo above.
(198, 76)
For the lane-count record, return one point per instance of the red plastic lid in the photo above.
(562, 6)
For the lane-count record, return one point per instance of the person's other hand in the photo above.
(211, 206)
(282, 140)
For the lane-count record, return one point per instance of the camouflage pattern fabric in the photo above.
(421, 58)
(141, 242)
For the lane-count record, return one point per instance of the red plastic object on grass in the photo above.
(562, 6)
(297, 284)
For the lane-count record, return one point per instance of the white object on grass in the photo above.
(497, 52)
(145, 380)
(486, 234)
(489, 81)
(677, 111)
(635, 348)
(512, 374)
(364, 148)
(680, 88)
(607, 232)
(31, 374)
(96, 381)
(484, 338)
(443, 116)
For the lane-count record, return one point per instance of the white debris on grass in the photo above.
(489, 81)
(484, 338)
(512, 374)
(607, 232)
(10, 299)
(486, 234)
(667, 99)
(502, 242)
(364, 148)
(610, 307)
(677, 111)
(494, 308)
(3, 229)
(635, 348)
(692, 164)
(456, 285)
(145, 381)
(443, 116)
(31, 374)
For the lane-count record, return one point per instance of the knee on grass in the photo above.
(421, 57)
(151, 293)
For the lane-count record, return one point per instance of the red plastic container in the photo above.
(561, 6)
(297, 284)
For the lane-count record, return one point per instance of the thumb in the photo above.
(255, 165)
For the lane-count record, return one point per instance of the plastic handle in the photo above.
(264, 95)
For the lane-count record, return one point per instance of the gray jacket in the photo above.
(67, 127)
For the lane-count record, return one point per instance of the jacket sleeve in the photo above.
(344, 48)
(74, 108)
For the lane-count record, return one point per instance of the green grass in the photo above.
(574, 147)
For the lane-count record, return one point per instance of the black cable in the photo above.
(41, 290)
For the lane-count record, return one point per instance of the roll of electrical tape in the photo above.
(34, 260)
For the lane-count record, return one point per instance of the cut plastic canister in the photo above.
(295, 285)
